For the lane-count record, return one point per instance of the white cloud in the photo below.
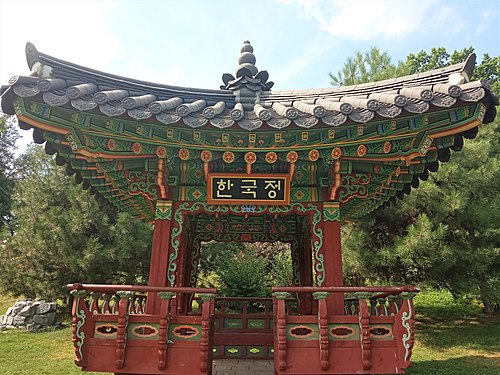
(367, 20)
(310, 53)
(71, 30)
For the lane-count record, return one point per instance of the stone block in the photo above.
(10, 320)
(19, 320)
(40, 319)
(43, 308)
(33, 327)
(9, 311)
(51, 318)
(26, 311)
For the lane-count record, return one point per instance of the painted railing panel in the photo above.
(374, 336)
(243, 328)
(112, 333)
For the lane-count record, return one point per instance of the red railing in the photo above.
(104, 312)
(377, 313)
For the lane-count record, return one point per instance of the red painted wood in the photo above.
(81, 347)
(323, 334)
(136, 288)
(206, 342)
(347, 289)
(364, 325)
(133, 355)
(363, 354)
(306, 275)
(162, 342)
(280, 345)
(120, 334)
(245, 336)
(332, 253)
(159, 262)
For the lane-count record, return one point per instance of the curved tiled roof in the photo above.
(132, 142)
(245, 102)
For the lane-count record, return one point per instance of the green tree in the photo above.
(61, 235)
(446, 233)
(8, 138)
(244, 274)
(373, 65)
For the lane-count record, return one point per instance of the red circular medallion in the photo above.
(250, 157)
(292, 157)
(161, 152)
(136, 148)
(271, 157)
(228, 157)
(336, 153)
(362, 150)
(314, 155)
(184, 154)
(206, 156)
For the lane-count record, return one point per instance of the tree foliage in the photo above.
(245, 269)
(373, 65)
(8, 138)
(446, 232)
(61, 235)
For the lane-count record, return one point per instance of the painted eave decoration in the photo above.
(132, 142)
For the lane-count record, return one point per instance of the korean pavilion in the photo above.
(244, 163)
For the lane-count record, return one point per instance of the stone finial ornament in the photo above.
(249, 82)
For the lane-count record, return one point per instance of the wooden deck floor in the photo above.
(242, 367)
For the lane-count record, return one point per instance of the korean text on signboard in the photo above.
(231, 188)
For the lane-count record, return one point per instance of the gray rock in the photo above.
(19, 320)
(33, 327)
(40, 319)
(3, 319)
(9, 320)
(43, 308)
(26, 311)
(51, 318)
(9, 311)
(10, 327)
(17, 309)
(53, 307)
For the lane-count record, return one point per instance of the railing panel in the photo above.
(374, 335)
(112, 332)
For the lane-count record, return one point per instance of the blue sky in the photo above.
(193, 42)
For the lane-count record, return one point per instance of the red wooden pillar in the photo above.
(332, 252)
(306, 274)
(184, 267)
(159, 253)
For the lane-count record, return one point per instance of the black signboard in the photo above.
(233, 188)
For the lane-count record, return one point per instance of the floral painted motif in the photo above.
(228, 157)
(206, 156)
(136, 148)
(111, 144)
(336, 153)
(184, 154)
(314, 155)
(387, 147)
(271, 157)
(292, 157)
(362, 150)
(250, 157)
(161, 152)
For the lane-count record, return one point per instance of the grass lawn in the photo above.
(452, 338)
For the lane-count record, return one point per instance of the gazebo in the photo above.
(244, 163)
